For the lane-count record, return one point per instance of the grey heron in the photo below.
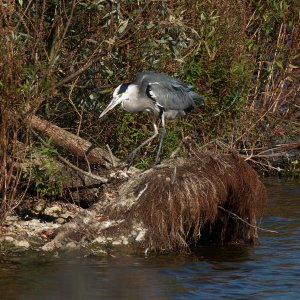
(158, 94)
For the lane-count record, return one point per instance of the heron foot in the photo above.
(157, 161)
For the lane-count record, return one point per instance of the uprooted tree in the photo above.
(173, 206)
(207, 197)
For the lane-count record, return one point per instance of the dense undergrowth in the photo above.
(61, 60)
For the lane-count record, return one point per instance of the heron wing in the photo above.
(166, 91)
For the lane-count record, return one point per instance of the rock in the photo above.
(34, 223)
(15, 242)
(125, 241)
(53, 210)
(21, 244)
(8, 239)
(71, 245)
(40, 206)
(51, 246)
(117, 243)
(67, 216)
(10, 220)
(100, 240)
(60, 220)
(133, 233)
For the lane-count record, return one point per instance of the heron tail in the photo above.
(198, 99)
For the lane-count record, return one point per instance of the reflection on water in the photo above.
(270, 270)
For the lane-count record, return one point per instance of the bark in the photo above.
(74, 144)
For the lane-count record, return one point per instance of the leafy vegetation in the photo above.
(44, 174)
(61, 61)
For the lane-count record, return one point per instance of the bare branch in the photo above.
(235, 216)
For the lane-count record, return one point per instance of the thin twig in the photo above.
(66, 28)
(72, 103)
(88, 174)
(111, 156)
(142, 192)
(72, 166)
(244, 221)
(173, 177)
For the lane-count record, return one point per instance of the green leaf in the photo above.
(279, 64)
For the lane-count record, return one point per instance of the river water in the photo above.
(270, 270)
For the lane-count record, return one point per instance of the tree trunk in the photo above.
(74, 144)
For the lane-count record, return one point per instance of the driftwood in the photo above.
(176, 205)
(73, 143)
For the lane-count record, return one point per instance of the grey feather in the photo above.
(168, 92)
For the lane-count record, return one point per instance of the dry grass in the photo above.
(179, 202)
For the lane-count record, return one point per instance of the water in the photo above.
(270, 270)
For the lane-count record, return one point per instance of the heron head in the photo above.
(118, 96)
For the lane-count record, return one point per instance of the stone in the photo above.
(51, 246)
(100, 240)
(125, 241)
(53, 210)
(71, 245)
(67, 215)
(60, 220)
(8, 239)
(117, 243)
(34, 223)
(21, 244)
(10, 220)
(40, 206)
(133, 233)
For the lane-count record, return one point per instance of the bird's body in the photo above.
(154, 92)
(158, 94)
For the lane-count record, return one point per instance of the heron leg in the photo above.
(133, 154)
(162, 135)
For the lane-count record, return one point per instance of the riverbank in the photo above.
(31, 226)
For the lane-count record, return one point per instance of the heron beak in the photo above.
(114, 102)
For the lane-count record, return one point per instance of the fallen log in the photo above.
(73, 143)
(181, 203)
